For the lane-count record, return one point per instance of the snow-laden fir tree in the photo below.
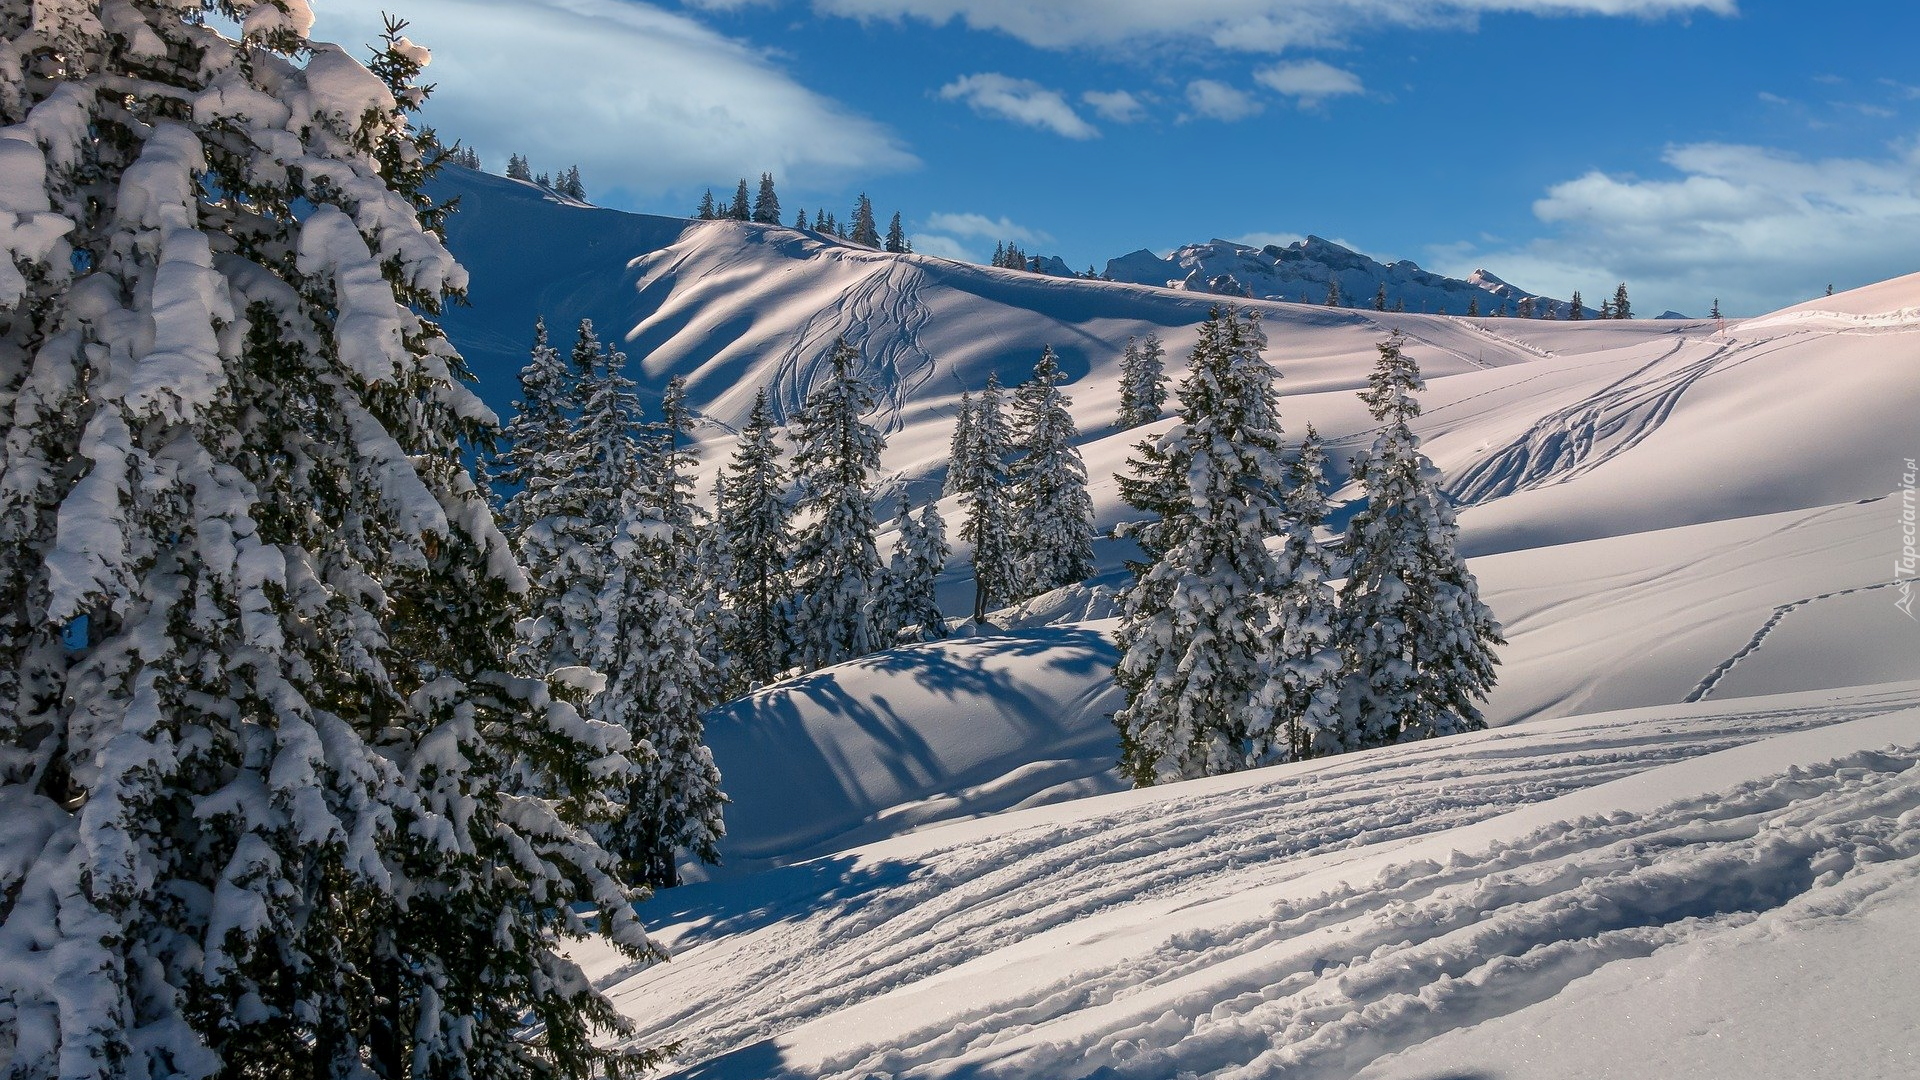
(659, 681)
(897, 237)
(959, 446)
(757, 532)
(1303, 689)
(1576, 307)
(909, 605)
(866, 230)
(1417, 641)
(741, 209)
(1194, 633)
(257, 710)
(766, 203)
(1143, 382)
(706, 211)
(985, 495)
(836, 567)
(1053, 515)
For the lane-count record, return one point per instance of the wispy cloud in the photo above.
(1118, 106)
(1245, 25)
(1309, 81)
(1757, 227)
(1021, 100)
(653, 99)
(1218, 101)
(985, 228)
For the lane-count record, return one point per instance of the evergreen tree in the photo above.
(766, 204)
(1621, 308)
(1053, 515)
(1526, 307)
(707, 211)
(1143, 383)
(1829, 288)
(1194, 633)
(1303, 693)
(961, 447)
(1333, 292)
(990, 514)
(659, 682)
(866, 231)
(1606, 309)
(1399, 306)
(1576, 308)
(999, 253)
(1715, 313)
(820, 222)
(897, 237)
(570, 184)
(1380, 298)
(833, 228)
(800, 218)
(741, 209)
(836, 566)
(1473, 306)
(518, 169)
(911, 603)
(544, 181)
(755, 522)
(1416, 639)
(258, 810)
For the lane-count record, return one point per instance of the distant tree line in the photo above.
(763, 207)
(568, 184)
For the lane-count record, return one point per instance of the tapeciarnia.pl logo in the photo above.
(1904, 566)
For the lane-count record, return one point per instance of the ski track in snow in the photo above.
(1706, 686)
(1578, 438)
(882, 316)
(1313, 988)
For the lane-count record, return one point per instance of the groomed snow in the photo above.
(1312, 919)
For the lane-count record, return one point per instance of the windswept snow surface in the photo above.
(1312, 920)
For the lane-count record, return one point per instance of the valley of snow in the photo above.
(932, 870)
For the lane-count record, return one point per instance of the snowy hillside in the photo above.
(1305, 270)
(1694, 522)
(1420, 911)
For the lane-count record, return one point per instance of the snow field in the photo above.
(1313, 916)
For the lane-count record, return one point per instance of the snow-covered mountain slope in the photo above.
(1306, 270)
(1318, 919)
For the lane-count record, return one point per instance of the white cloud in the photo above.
(945, 247)
(1249, 25)
(1118, 106)
(1311, 81)
(1218, 101)
(1757, 227)
(1267, 239)
(645, 101)
(1020, 100)
(983, 227)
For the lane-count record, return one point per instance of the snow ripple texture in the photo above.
(1236, 928)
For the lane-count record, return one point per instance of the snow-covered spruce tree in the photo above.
(897, 237)
(1053, 515)
(909, 605)
(256, 802)
(866, 230)
(957, 449)
(985, 494)
(1303, 691)
(659, 680)
(766, 203)
(1416, 640)
(1194, 637)
(756, 530)
(706, 211)
(1143, 383)
(836, 566)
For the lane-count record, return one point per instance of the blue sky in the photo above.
(1752, 151)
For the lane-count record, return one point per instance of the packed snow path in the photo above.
(1300, 921)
